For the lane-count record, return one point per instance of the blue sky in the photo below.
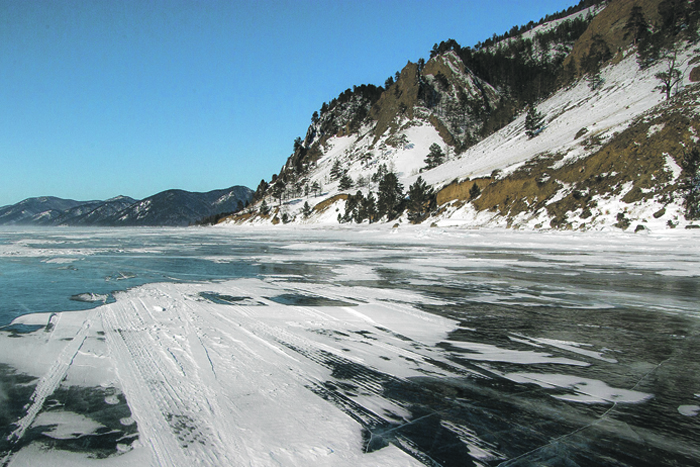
(100, 98)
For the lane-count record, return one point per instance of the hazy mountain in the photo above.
(169, 208)
(94, 213)
(179, 207)
(41, 210)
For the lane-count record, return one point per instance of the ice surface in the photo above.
(362, 346)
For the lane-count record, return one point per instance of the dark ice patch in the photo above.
(112, 438)
(222, 299)
(307, 300)
(16, 330)
(107, 407)
(16, 390)
(89, 297)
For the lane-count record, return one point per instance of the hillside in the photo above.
(608, 154)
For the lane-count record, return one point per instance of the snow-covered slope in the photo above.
(582, 123)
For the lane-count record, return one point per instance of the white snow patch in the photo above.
(689, 410)
(491, 353)
(585, 390)
(66, 425)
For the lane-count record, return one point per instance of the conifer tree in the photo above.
(636, 27)
(474, 191)
(390, 196)
(435, 157)
(673, 16)
(306, 210)
(598, 53)
(345, 182)
(260, 191)
(368, 208)
(264, 209)
(351, 208)
(278, 190)
(534, 122)
(336, 170)
(420, 200)
(379, 174)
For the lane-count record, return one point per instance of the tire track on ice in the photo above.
(172, 412)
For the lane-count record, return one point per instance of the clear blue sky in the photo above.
(103, 97)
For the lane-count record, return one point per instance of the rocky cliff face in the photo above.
(444, 93)
(443, 96)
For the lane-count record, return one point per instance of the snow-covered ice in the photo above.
(352, 346)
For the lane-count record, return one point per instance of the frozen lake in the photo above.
(418, 346)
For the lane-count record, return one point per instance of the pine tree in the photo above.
(598, 53)
(534, 122)
(673, 16)
(278, 190)
(474, 191)
(390, 196)
(306, 210)
(636, 27)
(435, 157)
(345, 182)
(264, 209)
(336, 170)
(420, 200)
(595, 79)
(262, 188)
(316, 188)
(351, 206)
(368, 208)
(379, 174)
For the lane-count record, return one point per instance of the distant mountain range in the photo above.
(168, 208)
